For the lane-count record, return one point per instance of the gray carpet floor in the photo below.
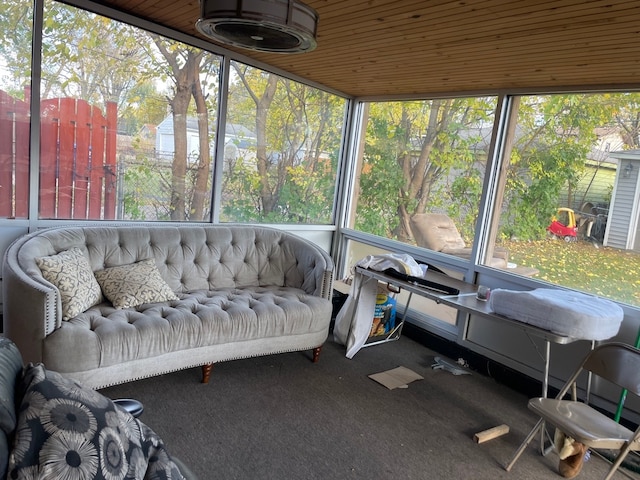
(283, 417)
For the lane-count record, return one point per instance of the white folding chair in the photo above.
(619, 364)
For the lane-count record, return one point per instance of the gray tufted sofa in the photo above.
(242, 291)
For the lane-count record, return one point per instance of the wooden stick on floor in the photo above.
(491, 433)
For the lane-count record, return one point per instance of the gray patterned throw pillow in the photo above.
(128, 286)
(71, 273)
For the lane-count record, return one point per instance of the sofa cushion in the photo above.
(104, 336)
(574, 314)
(71, 273)
(134, 284)
(67, 431)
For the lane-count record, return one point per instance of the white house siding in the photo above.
(622, 222)
(235, 135)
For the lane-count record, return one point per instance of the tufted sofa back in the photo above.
(193, 257)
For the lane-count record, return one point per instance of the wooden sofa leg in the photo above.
(206, 372)
(316, 354)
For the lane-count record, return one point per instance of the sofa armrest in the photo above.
(316, 269)
(31, 306)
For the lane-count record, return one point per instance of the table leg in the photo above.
(545, 390)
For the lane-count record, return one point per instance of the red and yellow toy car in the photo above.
(563, 225)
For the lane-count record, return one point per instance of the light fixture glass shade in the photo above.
(281, 26)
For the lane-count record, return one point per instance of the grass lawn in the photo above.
(604, 271)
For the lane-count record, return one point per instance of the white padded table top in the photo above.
(569, 313)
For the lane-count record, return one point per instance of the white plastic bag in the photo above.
(400, 262)
(353, 322)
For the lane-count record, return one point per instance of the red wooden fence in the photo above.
(77, 159)
(14, 157)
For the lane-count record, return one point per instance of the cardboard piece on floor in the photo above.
(398, 377)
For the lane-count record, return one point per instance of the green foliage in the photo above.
(15, 44)
(463, 198)
(557, 135)
(138, 183)
(422, 156)
(305, 196)
(380, 180)
(431, 156)
(240, 177)
(289, 175)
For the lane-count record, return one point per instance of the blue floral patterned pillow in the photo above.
(68, 431)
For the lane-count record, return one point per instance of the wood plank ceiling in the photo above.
(404, 47)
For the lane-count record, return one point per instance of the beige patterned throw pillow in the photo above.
(134, 284)
(71, 273)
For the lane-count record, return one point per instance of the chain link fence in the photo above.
(146, 186)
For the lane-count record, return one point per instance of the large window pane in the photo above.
(281, 150)
(421, 158)
(575, 160)
(15, 80)
(420, 172)
(127, 121)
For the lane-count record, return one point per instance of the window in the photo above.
(15, 81)
(421, 158)
(127, 121)
(287, 138)
(569, 206)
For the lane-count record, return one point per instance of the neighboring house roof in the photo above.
(166, 125)
(626, 154)
(231, 130)
(148, 129)
(236, 135)
(236, 130)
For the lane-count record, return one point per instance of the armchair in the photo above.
(50, 426)
(438, 232)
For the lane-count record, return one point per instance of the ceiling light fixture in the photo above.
(279, 26)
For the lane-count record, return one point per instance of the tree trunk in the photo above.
(179, 107)
(185, 70)
(262, 110)
(201, 187)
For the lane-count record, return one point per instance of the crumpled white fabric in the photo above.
(400, 262)
(353, 322)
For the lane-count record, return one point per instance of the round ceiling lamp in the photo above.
(279, 26)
